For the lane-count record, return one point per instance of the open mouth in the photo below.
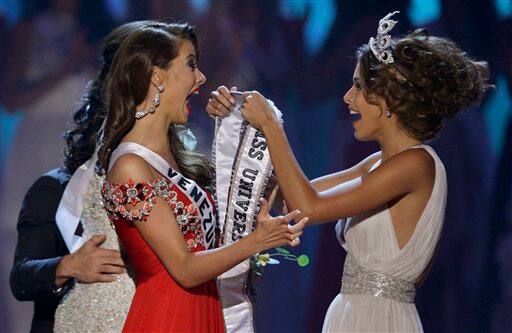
(193, 93)
(354, 115)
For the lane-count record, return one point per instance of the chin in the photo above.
(361, 137)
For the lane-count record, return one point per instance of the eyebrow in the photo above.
(191, 55)
(355, 79)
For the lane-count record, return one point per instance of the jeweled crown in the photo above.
(380, 44)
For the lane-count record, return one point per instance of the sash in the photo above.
(193, 191)
(242, 168)
(70, 207)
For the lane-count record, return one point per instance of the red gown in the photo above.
(159, 303)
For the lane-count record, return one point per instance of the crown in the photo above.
(380, 44)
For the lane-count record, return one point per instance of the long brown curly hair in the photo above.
(430, 79)
(88, 117)
(129, 80)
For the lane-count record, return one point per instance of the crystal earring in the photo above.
(388, 113)
(155, 101)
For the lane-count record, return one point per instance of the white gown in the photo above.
(96, 307)
(370, 241)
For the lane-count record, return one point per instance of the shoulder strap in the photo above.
(155, 160)
(189, 187)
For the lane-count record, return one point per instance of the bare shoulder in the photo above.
(130, 166)
(415, 163)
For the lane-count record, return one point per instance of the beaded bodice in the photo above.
(132, 202)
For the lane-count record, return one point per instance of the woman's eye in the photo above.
(192, 65)
(358, 86)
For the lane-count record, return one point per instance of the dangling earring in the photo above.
(388, 113)
(155, 101)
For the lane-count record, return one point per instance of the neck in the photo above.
(394, 143)
(151, 132)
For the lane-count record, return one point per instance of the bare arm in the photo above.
(220, 105)
(326, 182)
(162, 233)
(399, 176)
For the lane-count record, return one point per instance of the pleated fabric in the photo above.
(371, 240)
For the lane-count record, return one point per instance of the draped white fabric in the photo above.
(242, 167)
(71, 204)
(371, 240)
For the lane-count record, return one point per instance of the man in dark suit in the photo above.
(43, 270)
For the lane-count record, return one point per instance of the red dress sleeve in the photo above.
(123, 202)
(118, 198)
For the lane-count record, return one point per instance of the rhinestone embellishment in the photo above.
(116, 198)
(358, 280)
(155, 103)
(380, 44)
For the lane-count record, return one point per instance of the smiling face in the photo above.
(370, 118)
(181, 80)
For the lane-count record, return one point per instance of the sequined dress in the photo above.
(160, 304)
(97, 307)
(377, 292)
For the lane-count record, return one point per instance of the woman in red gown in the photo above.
(154, 192)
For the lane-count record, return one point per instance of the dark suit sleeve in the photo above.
(40, 245)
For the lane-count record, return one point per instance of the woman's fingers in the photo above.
(223, 99)
(221, 102)
(221, 108)
(291, 237)
(213, 111)
(226, 94)
(295, 242)
(264, 209)
(298, 226)
(290, 216)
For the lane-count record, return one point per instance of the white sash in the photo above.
(70, 207)
(242, 167)
(193, 191)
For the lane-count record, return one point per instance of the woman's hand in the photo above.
(258, 111)
(221, 103)
(273, 232)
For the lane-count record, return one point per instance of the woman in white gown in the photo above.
(391, 204)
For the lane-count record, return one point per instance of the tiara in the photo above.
(380, 45)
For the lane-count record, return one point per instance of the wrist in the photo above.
(254, 244)
(64, 270)
(271, 126)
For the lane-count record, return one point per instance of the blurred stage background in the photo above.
(300, 54)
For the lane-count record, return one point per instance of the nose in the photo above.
(200, 78)
(349, 95)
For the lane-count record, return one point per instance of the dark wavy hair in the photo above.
(128, 86)
(92, 110)
(430, 79)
